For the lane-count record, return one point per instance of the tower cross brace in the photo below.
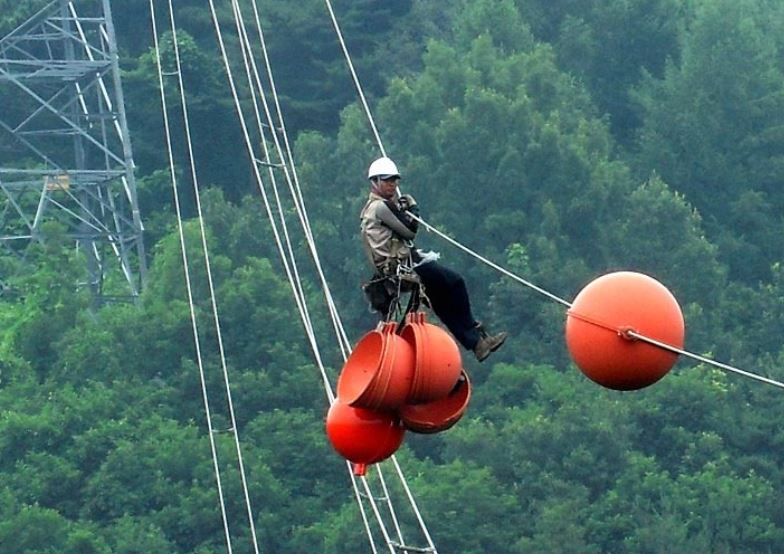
(65, 150)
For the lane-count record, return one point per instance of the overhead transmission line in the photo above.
(188, 287)
(233, 429)
(284, 160)
(628, 333)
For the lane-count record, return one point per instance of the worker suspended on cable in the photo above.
(388, 231)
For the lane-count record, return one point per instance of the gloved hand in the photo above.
(406, 202)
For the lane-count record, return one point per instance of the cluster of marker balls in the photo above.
(398, 378)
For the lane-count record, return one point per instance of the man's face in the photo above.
(388, 186)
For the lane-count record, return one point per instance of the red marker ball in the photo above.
(363, 436)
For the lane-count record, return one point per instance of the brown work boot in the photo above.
(487, 343)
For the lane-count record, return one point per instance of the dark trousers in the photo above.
(448, 297)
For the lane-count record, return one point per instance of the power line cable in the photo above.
(355, 77)
(281, 251)
(249, 62)
(188, 287)
(296, 189)
(703, 359)
(255, 168)
(628, 333)
(252, 75)
(494, 265)
(210, 283)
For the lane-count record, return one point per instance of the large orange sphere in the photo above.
(608, 307)
(363, 436)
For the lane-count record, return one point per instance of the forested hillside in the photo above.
(562, 139)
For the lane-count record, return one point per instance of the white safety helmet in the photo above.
(383, 166)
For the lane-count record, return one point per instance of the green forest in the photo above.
(562, 139)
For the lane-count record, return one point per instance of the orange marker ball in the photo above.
(363, 436)
(601, 314)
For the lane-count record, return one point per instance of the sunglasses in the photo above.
(389, 177)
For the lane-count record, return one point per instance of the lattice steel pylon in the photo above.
(65, 150)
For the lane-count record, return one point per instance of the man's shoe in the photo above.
(488, 344)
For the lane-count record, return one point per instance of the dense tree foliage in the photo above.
(713, 128)
(563, 139)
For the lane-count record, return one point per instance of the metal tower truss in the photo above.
(65, 152)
